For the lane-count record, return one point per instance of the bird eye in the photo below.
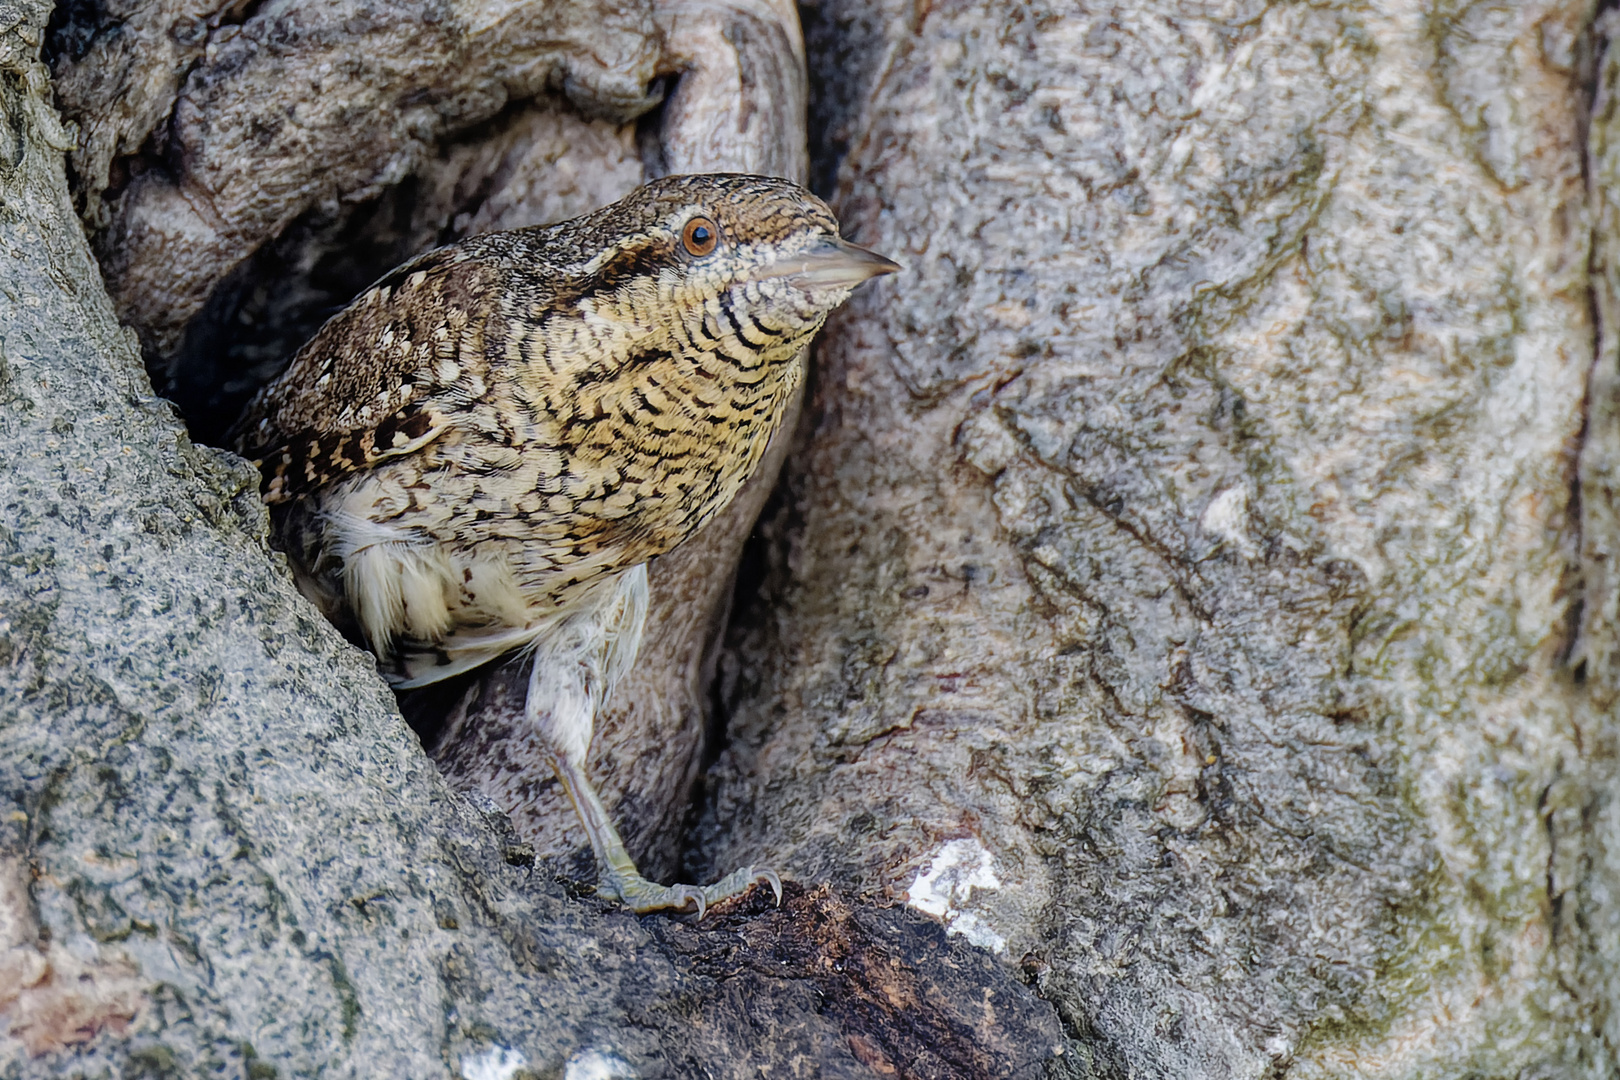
(700, 236)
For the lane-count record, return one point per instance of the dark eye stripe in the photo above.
(644, 259)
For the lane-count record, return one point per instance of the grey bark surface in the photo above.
(282, 159)
(379, 85)
(222, 852)
(1190, 600)
(1178, 582)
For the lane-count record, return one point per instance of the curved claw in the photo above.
(740, 881)
(642, 896)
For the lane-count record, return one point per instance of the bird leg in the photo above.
(573, 666)
(618, 874)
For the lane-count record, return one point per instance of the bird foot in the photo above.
(642, 896)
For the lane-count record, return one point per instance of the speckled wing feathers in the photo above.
(366, 386)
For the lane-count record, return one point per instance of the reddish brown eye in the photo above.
(700, 236)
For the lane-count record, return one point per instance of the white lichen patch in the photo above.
(1227, 517)
(597, 1065)
(496, 1063)
(946, 884)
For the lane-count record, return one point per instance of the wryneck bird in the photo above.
(480, 455)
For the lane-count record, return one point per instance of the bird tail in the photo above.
(601, 628)
(461, 651)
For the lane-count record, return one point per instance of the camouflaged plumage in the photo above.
(497, 424)
(482, 452)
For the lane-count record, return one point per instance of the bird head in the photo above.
(748, 265)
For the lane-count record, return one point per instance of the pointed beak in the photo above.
(832, 264)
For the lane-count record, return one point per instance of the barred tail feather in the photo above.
(599, 632)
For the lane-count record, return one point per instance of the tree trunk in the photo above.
(1178, 583)
(1182, 643)
(224, 853)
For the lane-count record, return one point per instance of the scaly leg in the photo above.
(619, 876)
(574, 667)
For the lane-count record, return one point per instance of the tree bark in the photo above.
(223, 852)
(1182, 644)
(1176, 583)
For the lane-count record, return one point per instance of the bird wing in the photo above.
(373, 382)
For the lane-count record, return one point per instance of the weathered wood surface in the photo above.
(1184, 547)
(268, 191)
(1179, 586)
(222, 852)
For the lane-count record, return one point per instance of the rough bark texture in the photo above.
(1176, 584)
(1585, 832)
(1193, 585)
(223, 853)
(312, 147)
(240, 157)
